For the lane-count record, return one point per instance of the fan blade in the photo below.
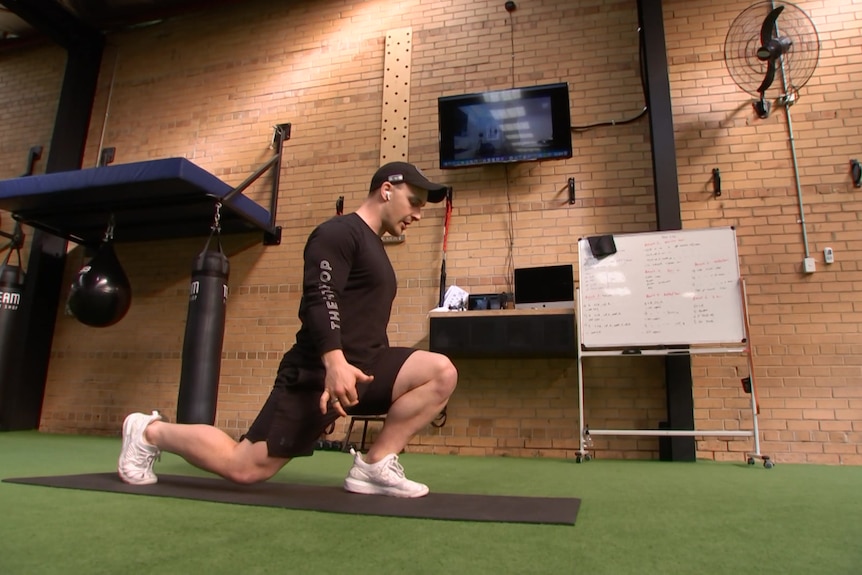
(768, 79)
(767, 31)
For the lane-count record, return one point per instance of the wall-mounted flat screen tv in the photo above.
(516, 125)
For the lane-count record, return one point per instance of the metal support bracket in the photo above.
(33, 156)
(106, 156)
(281, 133)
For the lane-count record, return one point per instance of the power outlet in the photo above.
(808, 265)
(828, 255)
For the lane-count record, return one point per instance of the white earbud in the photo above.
(387, 195)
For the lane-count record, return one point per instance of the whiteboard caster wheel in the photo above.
(751, 461)
(768, 464)
(588, 457)
(578, 459)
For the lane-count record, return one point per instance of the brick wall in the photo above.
(29, 88)
(209, 87)
(805, 327)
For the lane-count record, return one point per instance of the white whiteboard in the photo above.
(662, 288)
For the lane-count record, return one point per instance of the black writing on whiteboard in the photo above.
(662, 288)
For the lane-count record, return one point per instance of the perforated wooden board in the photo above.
(395, 127)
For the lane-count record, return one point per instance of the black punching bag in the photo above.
(204, 337)
(11, 288)
(101, 293)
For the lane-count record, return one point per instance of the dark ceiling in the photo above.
(24, 21)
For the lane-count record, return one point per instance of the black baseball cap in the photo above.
(401, 173)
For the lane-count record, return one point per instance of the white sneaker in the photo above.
(135, 465)
(386, 477)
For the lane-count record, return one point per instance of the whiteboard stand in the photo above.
(700, 262)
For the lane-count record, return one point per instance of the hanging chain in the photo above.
(109, 233)
(216, 227)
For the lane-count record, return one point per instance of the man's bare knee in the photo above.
(431, 375)
(251, 463)
(249, 476)
(446, 377)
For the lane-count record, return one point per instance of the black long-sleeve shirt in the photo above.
(347, 293)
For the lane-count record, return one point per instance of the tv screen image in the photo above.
(515, 125)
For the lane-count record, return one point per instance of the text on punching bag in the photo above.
(10, 300)
(195, 290)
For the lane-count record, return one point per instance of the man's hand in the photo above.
(340, 383)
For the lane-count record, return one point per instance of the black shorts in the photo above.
(290, 421)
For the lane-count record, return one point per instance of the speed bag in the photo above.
(204, 336)
(101, 293)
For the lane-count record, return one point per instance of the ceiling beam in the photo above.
(50, 18)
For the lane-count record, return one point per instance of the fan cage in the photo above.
(793, 69)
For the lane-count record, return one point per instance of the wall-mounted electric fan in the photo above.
(771, 51)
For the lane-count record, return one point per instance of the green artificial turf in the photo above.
(636, 517)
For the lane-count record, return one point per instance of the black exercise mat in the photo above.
(461, 507)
